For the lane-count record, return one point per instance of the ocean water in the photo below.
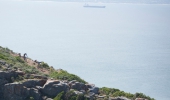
(124, 46)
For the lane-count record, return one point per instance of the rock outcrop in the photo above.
(32, 83)
(52, 88)
(94, 90)
(9, 74)
(77, 86)
(17, 91)
(6, 77)
(39, 89)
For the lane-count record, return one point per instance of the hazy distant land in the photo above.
(116, 1)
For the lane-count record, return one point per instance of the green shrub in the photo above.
(19, 78)
(31, 98)
(64, 75)
(19, 59)
(44, 65)
(80, 97)
(141, 95)
(107, 91)
(60, 96)
(69, 95)
(2, 56)
(12, 79)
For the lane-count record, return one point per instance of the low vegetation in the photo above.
(64, 75)
(70, 95)
(16, 62)
(116, 92)
(60, 96)
(44, 65)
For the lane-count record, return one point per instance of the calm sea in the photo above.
(124, 46)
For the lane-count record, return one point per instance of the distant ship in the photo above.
(86, 5)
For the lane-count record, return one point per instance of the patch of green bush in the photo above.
(69, 95)
(2, 56)
(19, 59)
(60, 96)
(107, 91)
(116, 92)
(44, 65)
(64, 75)
(31, 98)
(141, 95)
(80, 97)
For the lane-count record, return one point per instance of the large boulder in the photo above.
(17, 91)
(5, 77)
(53, 88)
(9, 74)
(32, 83)
(78, 86)
(2, 83)
(94, 90)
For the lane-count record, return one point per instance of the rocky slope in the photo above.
(27, 79)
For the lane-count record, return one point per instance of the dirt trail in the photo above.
(31, 62)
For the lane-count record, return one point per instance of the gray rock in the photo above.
(94, 90)
(13, 91)
(40, 77)
(34, 82)
(101, 97)
(9, 74)
(17, 91)
(35, 94)
(83, 91)
(90, 95)
(2, 62)
(53, 88)
(36, 76)
(78, 86)
(3, 82)
(72, 82)
(21, 73)
(140, 99)
(78, 92)
(118, 98)
(89, 85)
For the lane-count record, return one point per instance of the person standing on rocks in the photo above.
(25, 56)
(38, 63)
(19, 54)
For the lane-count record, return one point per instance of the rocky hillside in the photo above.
(22, 78)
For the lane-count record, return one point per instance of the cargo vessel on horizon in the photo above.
(93, 6)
